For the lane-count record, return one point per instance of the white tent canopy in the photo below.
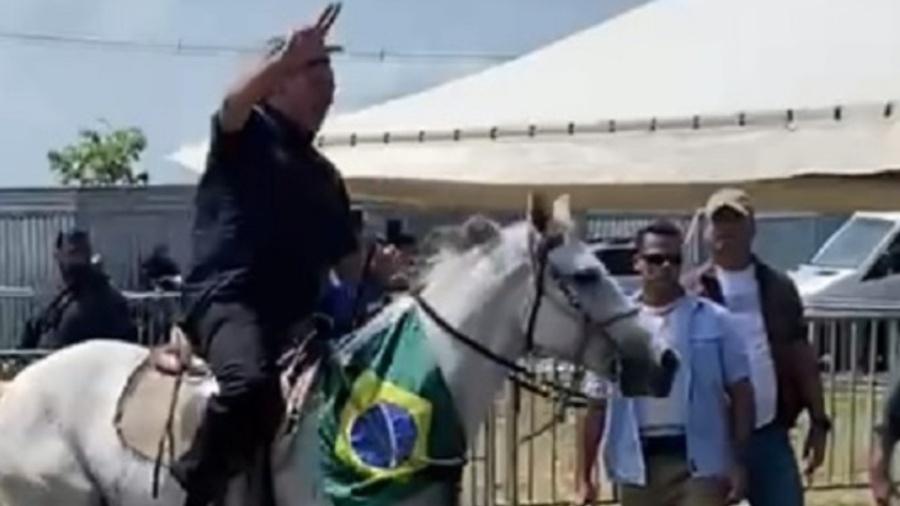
(788, 98)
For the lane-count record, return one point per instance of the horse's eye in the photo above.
(586, 277)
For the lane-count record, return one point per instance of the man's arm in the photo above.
(809, 386)
(809, 378)
(887, 433)
(255, 86)
(742, 414)
(301, 48)
(890, 421)
(597, 389)
(743, 420)
(736, 365)
(591, 437)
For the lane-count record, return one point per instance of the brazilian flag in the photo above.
(388, 425)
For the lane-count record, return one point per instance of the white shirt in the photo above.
(665, 416)
(741, 292)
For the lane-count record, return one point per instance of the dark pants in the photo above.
(243, 417)
(773, 476)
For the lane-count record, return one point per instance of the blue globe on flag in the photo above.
(384, 435)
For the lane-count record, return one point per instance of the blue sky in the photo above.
(49, 91)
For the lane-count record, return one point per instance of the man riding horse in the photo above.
(272, 216)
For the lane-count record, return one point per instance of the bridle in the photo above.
(519, 374)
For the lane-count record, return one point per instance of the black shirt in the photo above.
(90, 309)
(272, 216)
(157, 271)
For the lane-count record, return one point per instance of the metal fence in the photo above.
(528, 452)
(525, 455)
(151, 312)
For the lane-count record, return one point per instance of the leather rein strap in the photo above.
(519, 374)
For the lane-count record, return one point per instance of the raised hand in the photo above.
(327, 18)
(301, 49)
(306, 45)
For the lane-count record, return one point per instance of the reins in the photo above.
(520, 375)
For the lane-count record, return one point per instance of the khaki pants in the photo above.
(669, 483)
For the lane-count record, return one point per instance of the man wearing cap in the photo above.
(272, 217)
(767, 311)
(87, 306)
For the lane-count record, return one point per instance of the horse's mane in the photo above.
(444, 252)
(476, 231)
(446, 246)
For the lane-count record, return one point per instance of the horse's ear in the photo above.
(558, 221)
(538, 211)
(562, 214)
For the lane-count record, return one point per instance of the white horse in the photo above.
(58, 444)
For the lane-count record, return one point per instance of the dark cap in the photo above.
(75, 237)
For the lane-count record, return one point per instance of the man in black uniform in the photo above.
(86, 307)
(272, 217)
(159, 271)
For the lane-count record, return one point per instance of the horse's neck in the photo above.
(484, 307)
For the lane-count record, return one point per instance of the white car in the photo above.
(618, 256)
(860, 255)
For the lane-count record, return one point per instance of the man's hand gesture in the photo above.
(306, 45)
(301, 49)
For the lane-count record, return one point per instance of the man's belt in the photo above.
(664, 445)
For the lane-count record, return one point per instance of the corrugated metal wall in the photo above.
(126, 224)
(29, 223)
(26, 246)
(16, 307)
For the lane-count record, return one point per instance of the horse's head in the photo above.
(577, 312)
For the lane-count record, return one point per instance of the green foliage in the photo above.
(101, 158)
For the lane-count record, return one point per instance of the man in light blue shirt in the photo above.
(684, 449)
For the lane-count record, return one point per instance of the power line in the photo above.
(181, 48)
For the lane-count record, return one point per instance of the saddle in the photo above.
(164, 400)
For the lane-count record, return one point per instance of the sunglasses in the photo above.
(660, 259)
